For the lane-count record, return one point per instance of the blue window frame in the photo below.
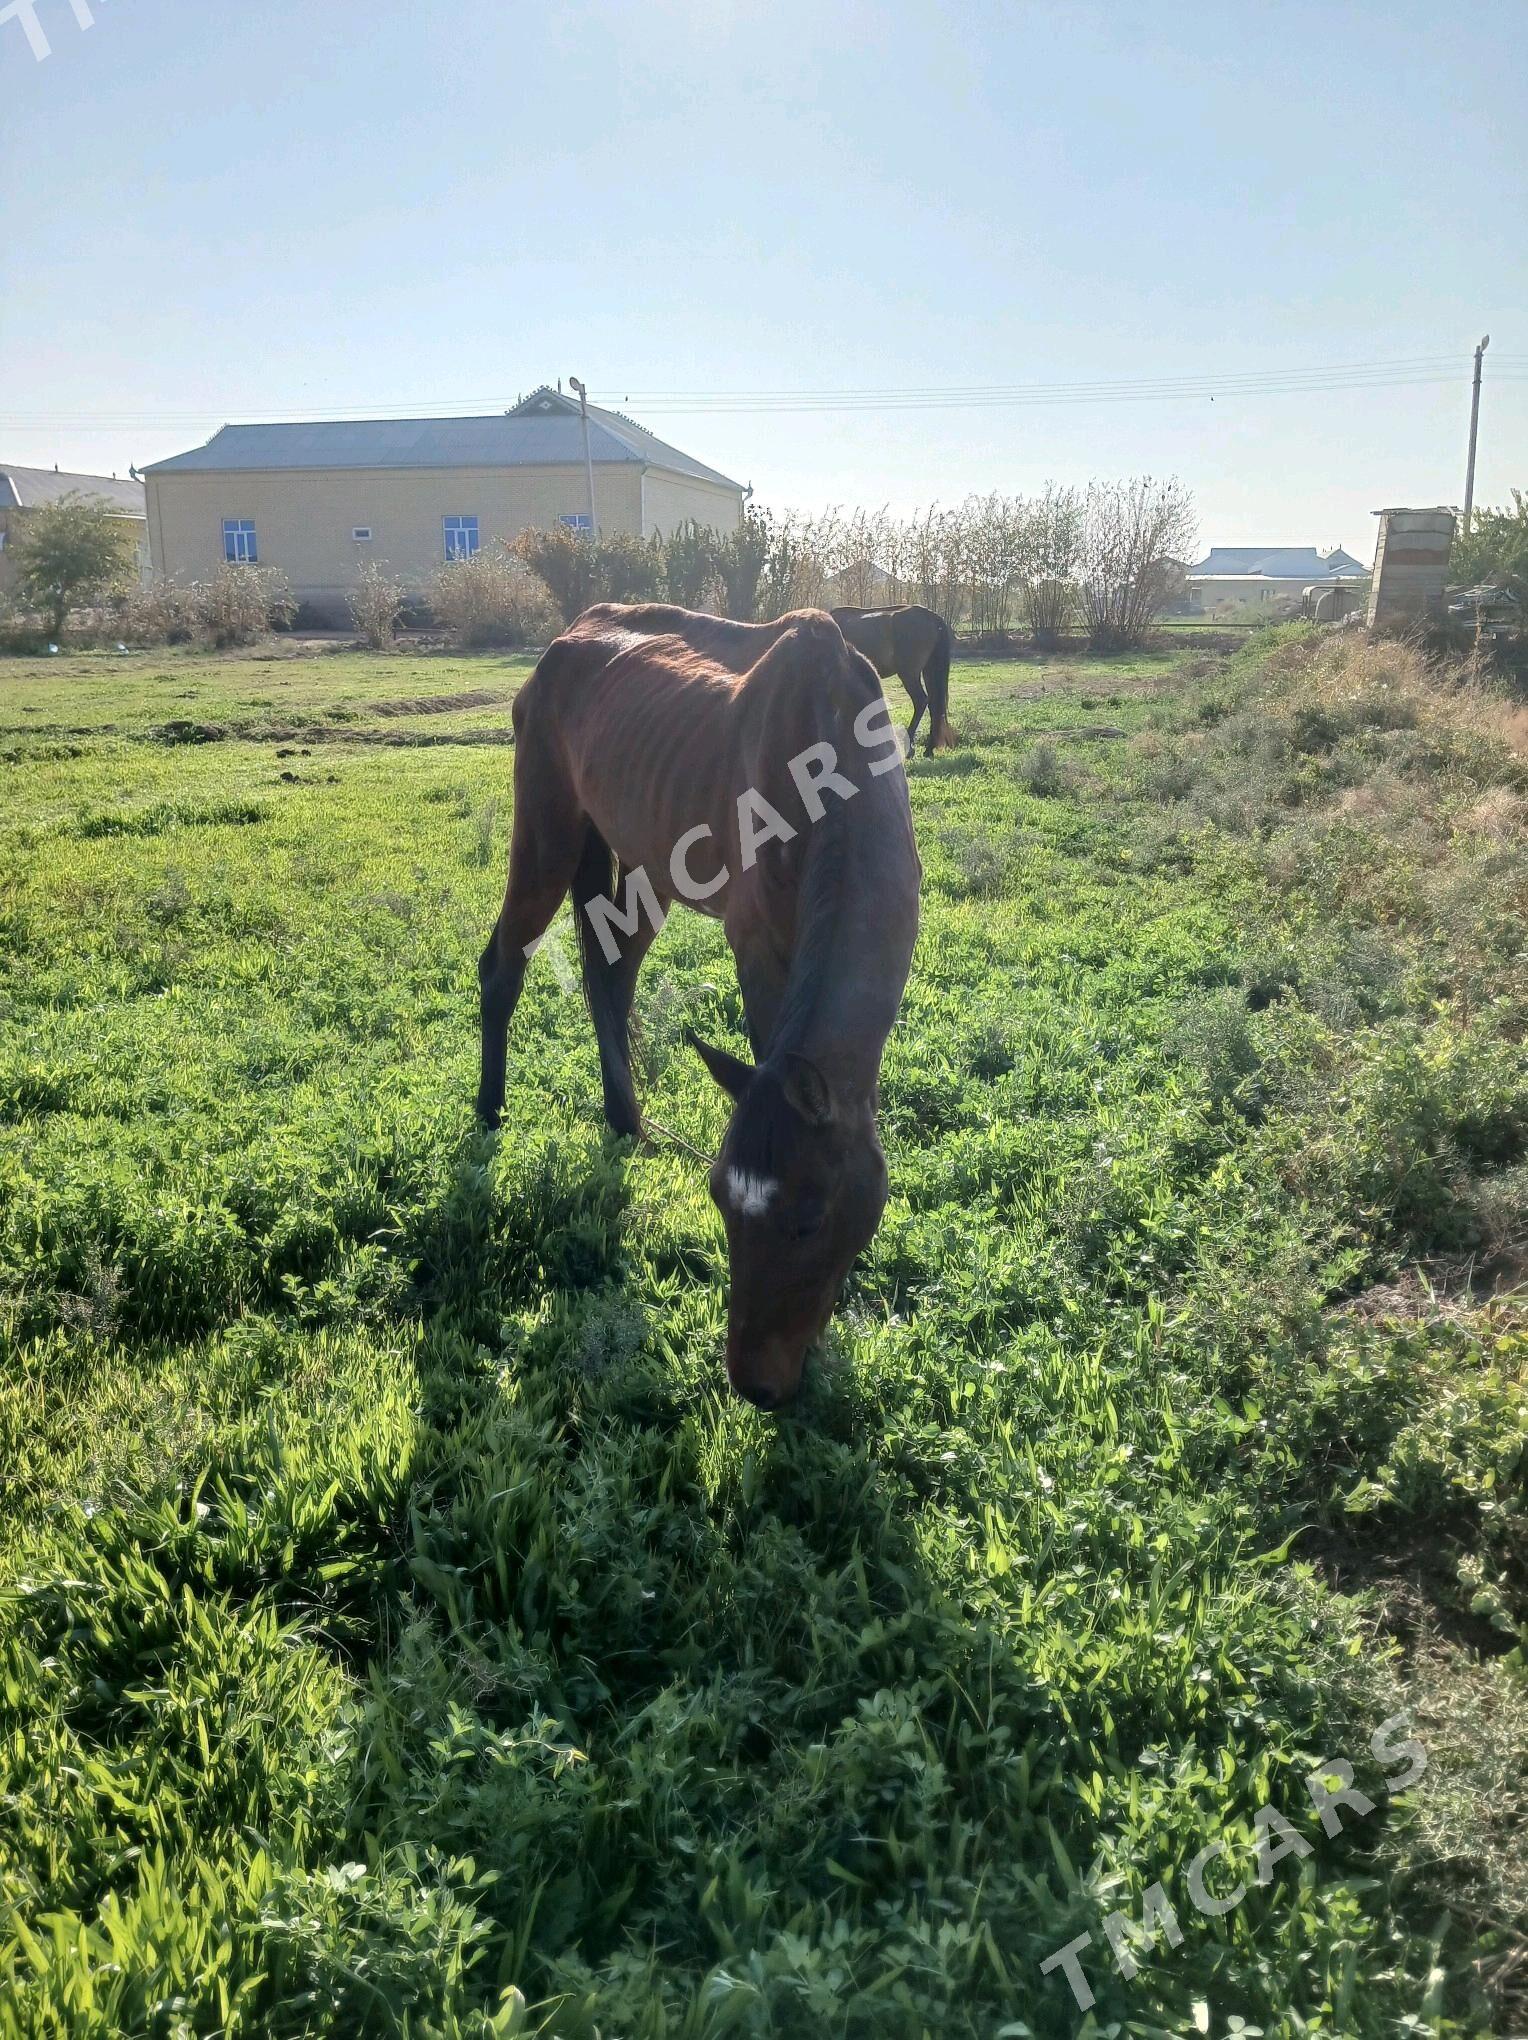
(239, 541)
(581, 522)
(461, 537)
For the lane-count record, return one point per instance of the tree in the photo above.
(1133, 533)
(1496, 550)
(994, 530)
(71, 552)
(854, 549)
(1049, 554)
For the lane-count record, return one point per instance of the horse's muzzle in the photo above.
(762, 1398)
(770, 1376)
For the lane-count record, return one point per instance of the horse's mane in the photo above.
(825, 893)
(822, 902)
(766, 1125)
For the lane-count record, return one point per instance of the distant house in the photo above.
(25, 489)
(1272, 578)
(319, 500)
(864, 584)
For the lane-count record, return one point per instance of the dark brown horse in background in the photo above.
(752, 770)
(915, 644)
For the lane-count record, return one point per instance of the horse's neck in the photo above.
(849, 961)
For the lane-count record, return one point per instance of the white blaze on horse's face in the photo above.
(750, 1194)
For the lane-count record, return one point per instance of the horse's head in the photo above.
(801, 1184)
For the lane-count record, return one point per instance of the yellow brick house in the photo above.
(318, 500)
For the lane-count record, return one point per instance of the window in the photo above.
(461, 537)
(581, 522)
(360, 533)
(239, 541)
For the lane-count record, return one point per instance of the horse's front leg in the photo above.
(501, 974)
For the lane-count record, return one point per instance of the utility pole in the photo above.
(1469, 473)
(583, 412)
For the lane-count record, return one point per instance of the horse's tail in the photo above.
(936, 682)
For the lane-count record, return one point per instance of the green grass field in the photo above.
(403, 1630)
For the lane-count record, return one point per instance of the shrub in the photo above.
(576, 571)
(163, 613)
(492, 599)
(71, 552)
(740, 561)
(564, 564)
(690, 563)
(376, 603)
(983, 862)
(627, 569)
(1213, 1035)
(1041, 772)
(310, 619)
(20, 635)
(241, 603)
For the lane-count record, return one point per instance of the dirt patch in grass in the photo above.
(1045, 684)
(440, 704)
(183, 730)
(347, 733)
(266, 732)
(1414, 1584)
(1443, 1291)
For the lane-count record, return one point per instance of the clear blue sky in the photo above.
(215, 210)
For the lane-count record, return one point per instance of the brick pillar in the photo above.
(1410, 567)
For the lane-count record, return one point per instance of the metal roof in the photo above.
(1339, 579)
(543, 430)
(28, 488)
(1277, 562)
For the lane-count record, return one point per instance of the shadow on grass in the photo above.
(637, 1613)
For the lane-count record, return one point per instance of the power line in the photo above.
(1167, 391)
(1406, 372)
(1360, 373)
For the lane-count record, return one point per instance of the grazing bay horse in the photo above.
(751, 770)
(915, 644)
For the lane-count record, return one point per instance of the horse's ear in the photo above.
(730, 1071)
(806, 1091)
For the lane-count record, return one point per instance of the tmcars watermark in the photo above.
(1330, 1786)
(813, 772)
(29, 14)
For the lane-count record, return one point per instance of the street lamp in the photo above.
(1469, 472)
(583, 412)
